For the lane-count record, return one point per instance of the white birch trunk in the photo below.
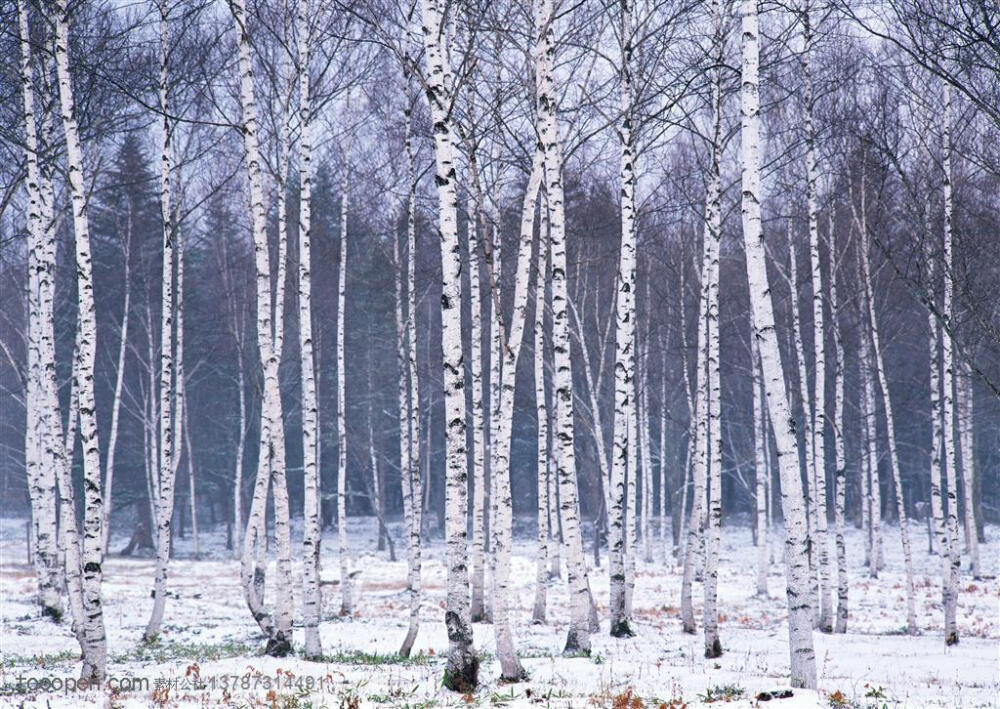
(645, 453)
(713, 234)
(542, 416)
(41, 460)
(510, 666)
(311, 534)
(812, 515)
(461, 673)
(346, 591)
(409, 396)
(965, 415)
(578, 635)
(240, 449)
(494, 265)
(820, 538)
(620, 485)
(904, 531)
(478, 418)
(167, 470)
(665, 510)
(760, 470)
(800, 620)
(271, 459)
(840, 479)
(94, 650)
(700, 432)
(948, 384)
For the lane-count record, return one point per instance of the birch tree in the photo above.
(91, 552)
(41, 459)
(462, 670)
(311, 535)
(170, 373)
(840, 478)
(271, 459)
(966, 402)
(948, 386)
(624, 384)
(800, 621)
(346, 595)
(542, 416)
(410, 409)
(578, 635)
(478, 418)
(713, 234)
(818, 413)
(904, 532)
(760, 470)
(510, 665)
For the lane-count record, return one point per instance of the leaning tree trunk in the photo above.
(109, 463)
(270, 466)
(312, 600)
(904, 531)
(800, 621)
(92, 622)
(462, 670)
(578, 635)
(872, 482)
(510, 666)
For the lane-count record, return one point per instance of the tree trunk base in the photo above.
(278, 646)
(713, 649)
(621, 629)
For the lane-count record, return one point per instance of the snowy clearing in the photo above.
(210, 642)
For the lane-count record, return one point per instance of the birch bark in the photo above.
(478, 418)
(510, 665)
(619, 520)
(271, 459)
(904, 531)
(965, 415)
(578, 635)
(800, 620)
(92, 621)
(412, 488)
(311, 533)
(346, 591)
(713, 234)
(818, 462)
(542, 416)
(461, 673)
(760, 470)
(41, 462)
(840, 479)
(948, 385)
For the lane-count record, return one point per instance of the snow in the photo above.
(208, 635)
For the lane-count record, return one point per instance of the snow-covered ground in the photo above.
(209, 653)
